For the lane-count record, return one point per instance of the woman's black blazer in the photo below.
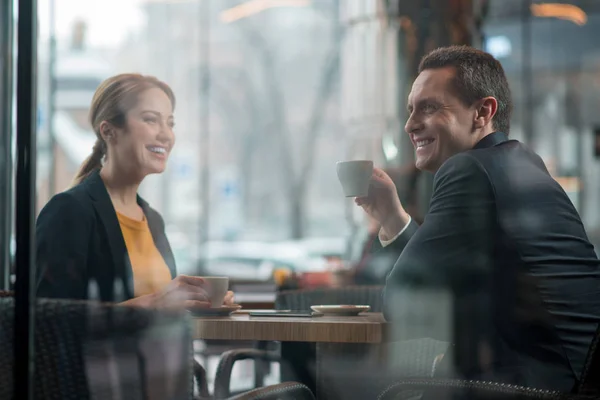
(80, 250)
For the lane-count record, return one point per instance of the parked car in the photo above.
(253, 261)
(332, 249)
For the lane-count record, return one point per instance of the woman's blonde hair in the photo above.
(112, 100)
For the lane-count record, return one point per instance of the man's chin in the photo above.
(421, 163)
(426, 164)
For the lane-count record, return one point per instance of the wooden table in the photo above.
(368, 328)
(350, 342)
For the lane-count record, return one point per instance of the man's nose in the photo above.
(412, 124)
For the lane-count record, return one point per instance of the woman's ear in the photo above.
(107, 131)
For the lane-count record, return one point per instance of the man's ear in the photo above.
(485, 111)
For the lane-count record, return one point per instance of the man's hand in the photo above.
(383, 204)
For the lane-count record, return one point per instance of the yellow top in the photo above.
(150, 271)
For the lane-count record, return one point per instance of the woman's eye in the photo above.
(150, 120)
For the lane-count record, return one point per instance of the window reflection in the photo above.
(271, 96)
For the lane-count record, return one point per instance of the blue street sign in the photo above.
(229, 189)
(40, 117)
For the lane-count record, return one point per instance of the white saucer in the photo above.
(340, 310)
(222, 311)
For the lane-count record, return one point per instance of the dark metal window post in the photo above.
(6, 128)
(25, 198)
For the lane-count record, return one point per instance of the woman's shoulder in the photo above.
(74, 200)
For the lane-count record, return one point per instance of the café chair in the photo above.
(90, 350)
(301, 299)
(282, 391)
(588, 386)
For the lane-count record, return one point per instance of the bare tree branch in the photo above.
(295, 182)
(326, 89)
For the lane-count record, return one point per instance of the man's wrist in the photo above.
(393, 226)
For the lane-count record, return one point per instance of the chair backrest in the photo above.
(282, 391)
(86, 350)
(304, 298)
(589, 383)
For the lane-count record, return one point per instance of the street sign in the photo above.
(230, 189)
(40, 117)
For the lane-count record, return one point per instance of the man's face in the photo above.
(439, 124)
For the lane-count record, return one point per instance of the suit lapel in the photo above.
(110, 223)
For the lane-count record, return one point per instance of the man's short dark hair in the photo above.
(478, 75)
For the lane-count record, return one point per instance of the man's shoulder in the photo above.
(511, 158)
(462, 166)
(463, 160)
(505, 154)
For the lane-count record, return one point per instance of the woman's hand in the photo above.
(229, 298)
(183, 292)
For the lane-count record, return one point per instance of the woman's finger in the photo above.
(229, 297)
(185, 287)
(191, 280)
(196, 296)
(195, 305)
(183, 291)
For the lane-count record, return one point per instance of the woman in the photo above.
(100, 239)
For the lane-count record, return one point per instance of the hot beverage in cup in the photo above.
(216, 287)
(355, 177)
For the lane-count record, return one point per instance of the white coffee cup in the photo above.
(355, 177)
(216, 287)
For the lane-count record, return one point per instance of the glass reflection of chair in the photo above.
(86, 350)
(91, 350)
(587, 388)
(301, 299)
(417, 357)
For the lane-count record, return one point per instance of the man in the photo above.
(373, 266)
(501, 267)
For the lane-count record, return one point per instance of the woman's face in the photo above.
(144, 145)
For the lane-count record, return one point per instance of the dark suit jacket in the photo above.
(80, 245)
(501, 268)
